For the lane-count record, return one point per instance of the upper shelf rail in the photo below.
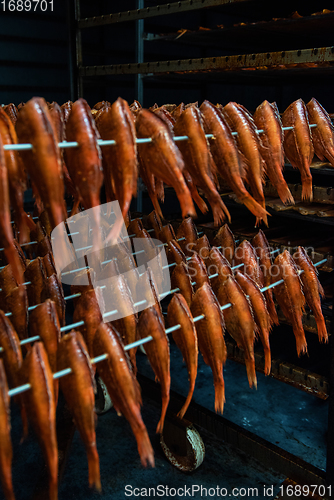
(156, 10)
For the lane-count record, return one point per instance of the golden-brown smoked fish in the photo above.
(17, 303)
(7, 280)
(290, 296)
(54, 290)
(248, 141)
(181, 279)
(35, 273)
(162, 158)
(239, 323)
(167, 233)
(203, 247)
(187, 230)
(210, 334)
(40, 401)
(186, 340)
(198, 160)
(49, 264)
(225, 154)
(260, 312)
(78, 388)
(194, 193)
(245, 254)
(323, 133)
(267, 118)
(157, 350)
(155, 223)
(174, 253)
(298, 145)
(312, 290)
(225, 241)
(147, 290)
(11, 111)
(43, 162)
(87, 309)
(197, 271)
(6, 232)
(262, 250)
(122, 386)
(217, 264)
(120, 160)
(6, 451)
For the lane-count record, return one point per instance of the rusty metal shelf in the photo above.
(156, 10)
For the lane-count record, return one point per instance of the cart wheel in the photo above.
(103, 401)
(182, 444)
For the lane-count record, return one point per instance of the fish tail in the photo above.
(254, 207)
(251, 374)
(322, 329)
(165, 401)
(271, 306)
(186, 202)
(307, 193)
(94, 468)
(199, 201)
(299, 333)
(13, 259)
(284, 193)
(219, 395)
(188, 400)
(145, 449)
(219, 211)
(267, 360)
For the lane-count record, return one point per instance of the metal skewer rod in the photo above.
(102, 357)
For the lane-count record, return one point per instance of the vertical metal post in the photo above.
(139, 88)
(330, 433)
(78, 51)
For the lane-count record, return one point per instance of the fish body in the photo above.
(323, 133)
(217, 264)
(210, 334)
(290, 296)
(6, 450)
(225, 241)
(239, 323)
(198, 159)
(186, 235)
(162, 158)
(54, 291)
(267, 118)
(248, 142)
(245, 254)
(298, 145)
(180, 279)
(262, 250)
(40, 402)
(122, 386)
(17, 303)
(78, 388)
(312, 290)
(87, 309)
(226, 156)
(197, 271)
(186, 340)
(155, 223)
(174, 253)
(260, 312)
(157, 350)
(202, 247)
(11, 111)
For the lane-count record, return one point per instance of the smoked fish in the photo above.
(198, 159)
(11, 111)
(267, 118)
(217, 264)
(197, 271)
(157, 350)
(122, 386)
(225, 241)
(54, 291)
(239, 323)
(245, 254)
(17, 303)
(323, 133)
(290, 297)
(35, 273)
(312, 290)
(180, 279)
(203, 247)
(178, 313)
(78, 388)
(155, 223)
(174, 253)
(40, 402)
(210, 334)
(87, 309)
(298, 145)
(6, 450)
(187, 230)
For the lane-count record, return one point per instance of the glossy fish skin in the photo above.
(188, 231)
(267, 118)
(239, 323)
(245, 254)
(167, 233)
(17, 303)
(162, 158)
(6, 232)
(54, 290)
(312, 290)
(155, 223)
(186, 340)
(174, 253)
(226, 156)
(7, 280)
(43, 162)
(78, 388)
(87, 309)
(262, 250)
(197, 271)
(210, 334)
(323, 133)
(203, 247)
(16, 177)
(120, 160)
(180, 278)
(157, 350)
(298, 145)
(198, 159)
(49, 264)
(218, 264)
(44, 322)
(225, 239)
(194, 193)
(260, 312)
(40, 401)
(248, 142)
(290, 296)
(6, 451)
(11, 111)
(122, 386)
(147, 290)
